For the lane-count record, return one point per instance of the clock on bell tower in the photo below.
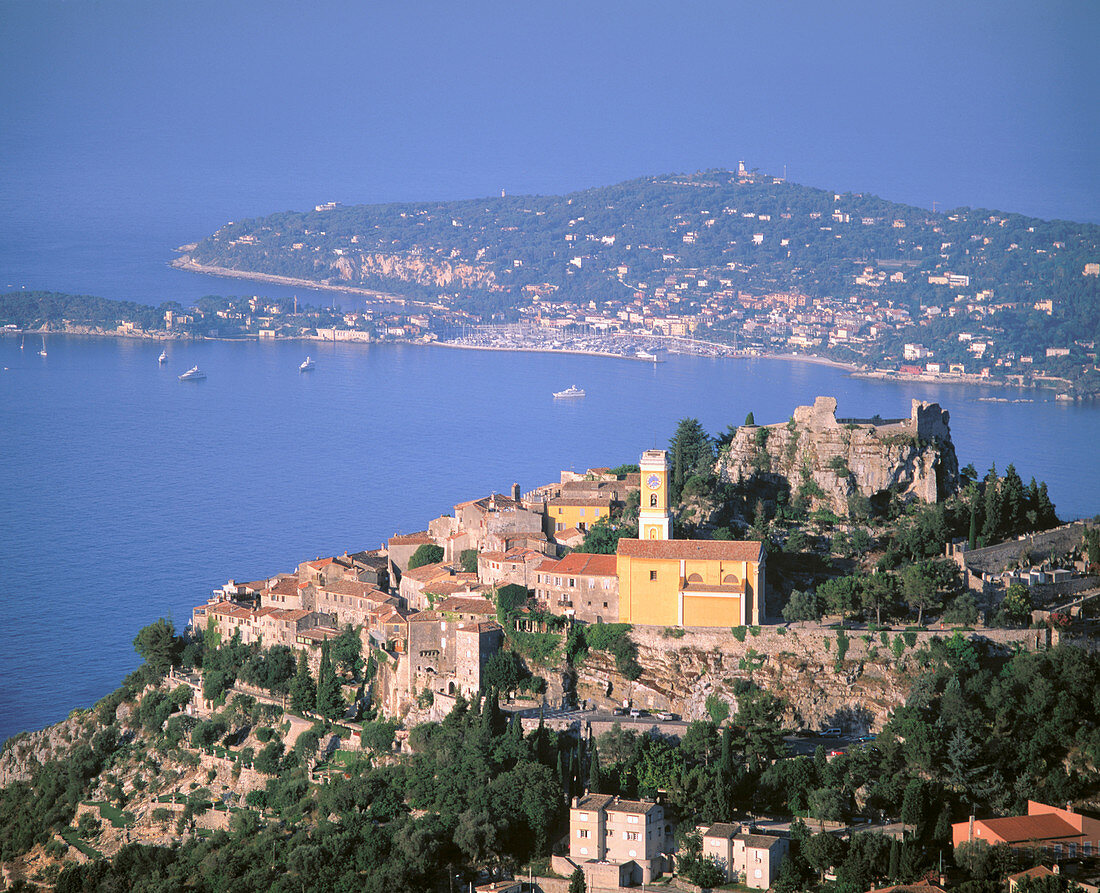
(654, 519)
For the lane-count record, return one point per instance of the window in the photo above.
(605, 604)
(582, 833)
(584, 851)
(758, 873)
(653, 500)
(582, 816)
(632, 820)
(630, 835)
(582, 513)
(653, 575)
(572, 582)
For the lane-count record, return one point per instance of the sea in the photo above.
(127, 495)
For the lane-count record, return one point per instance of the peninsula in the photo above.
(733, 257)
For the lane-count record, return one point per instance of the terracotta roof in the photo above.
(491, 556)
(409, 539)
(458, 604)
(722, 829)
(582, 564)
(483, 626)
(427, 572)
(758, 841)
(711, 550)
(1039, 871)
(424, 617)
(728, 588)
(638, 806)
(354, 587)
(598, 501)
(293, 614)
(498, 499)
(594, 801)
(570, 533)
(286, 585)
(1024, 828)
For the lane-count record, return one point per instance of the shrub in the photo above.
(425, 554)
(718, 709)
(739, 633)
(841, 645)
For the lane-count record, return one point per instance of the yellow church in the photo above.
(668, 582)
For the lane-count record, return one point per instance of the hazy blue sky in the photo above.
(241, 108)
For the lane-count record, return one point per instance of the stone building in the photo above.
(747, 858)
(584, 587)
(607, 834)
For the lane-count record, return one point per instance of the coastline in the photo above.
(191, 266)
(585, 353)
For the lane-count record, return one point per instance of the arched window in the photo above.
(653, 500)
(695, 578)
(653, 533)
(730, 578)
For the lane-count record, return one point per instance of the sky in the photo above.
(200, 112)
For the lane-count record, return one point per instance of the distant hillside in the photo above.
(708, 235)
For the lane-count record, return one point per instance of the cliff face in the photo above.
(413, 267)
(830, 460)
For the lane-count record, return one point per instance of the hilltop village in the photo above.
(885, 681)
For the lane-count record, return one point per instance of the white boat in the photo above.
(646, 355)
(306, 365)
(193, 374)
(21, 340)
(42, 352)
(571, 391)
(163, 358)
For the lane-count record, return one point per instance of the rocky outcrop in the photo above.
(825, 677)
(828, 460)
(413, 267)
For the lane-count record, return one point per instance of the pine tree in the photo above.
(895, 859)
(750, 419)
(303, 693)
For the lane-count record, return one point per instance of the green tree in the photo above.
(425, 554)
(841, 595)
(347, 650)
(750, 419)
(576, 882)
(468, 559)
(303, 691)
(159, 645)
(880, 591)
(330, 701)
(1017, 603)
(692, 454)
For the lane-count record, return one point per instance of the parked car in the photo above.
(666, 716)
(619, 711)
(636, 712)
(832, 733)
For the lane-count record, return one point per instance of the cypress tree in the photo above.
(330, 702)
(595, 782)
(302, 690)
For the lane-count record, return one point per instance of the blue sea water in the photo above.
(126, 495)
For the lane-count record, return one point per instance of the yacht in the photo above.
(42, 352)
(571, 391)
(193, 374)
(163, 358)
(306, 365)
(646, 355)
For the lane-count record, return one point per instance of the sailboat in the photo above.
(306, 365)
(42, 352)
(163, 358)
(21, 341)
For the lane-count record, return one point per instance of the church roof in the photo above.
(710, 550)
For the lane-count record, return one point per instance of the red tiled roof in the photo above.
(287, 585)
(582, 564)
(410, 539)
(1024, 828)
(729, 550)
(427, 572)
(458, 604)
(354, 587)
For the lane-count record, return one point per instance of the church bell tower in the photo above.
(654, 519)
